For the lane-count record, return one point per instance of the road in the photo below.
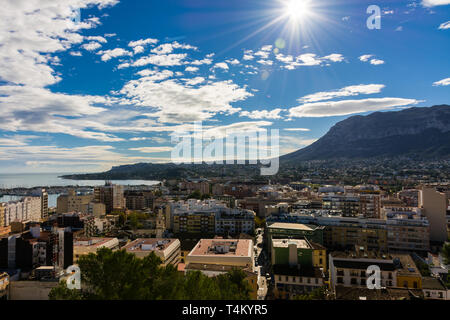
(261, 265)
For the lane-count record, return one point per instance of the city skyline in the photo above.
(108, 86)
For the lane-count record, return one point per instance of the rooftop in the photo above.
(228, 247)
(94, 242)
(292, 226)
(284, 243)
(149, 244)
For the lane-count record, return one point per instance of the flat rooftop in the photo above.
(284, 243)
(91, 242)
(223, 247)
(148, 244)
(293, 226)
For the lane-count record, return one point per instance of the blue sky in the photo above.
(82, 95)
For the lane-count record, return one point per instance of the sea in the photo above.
(32, 180)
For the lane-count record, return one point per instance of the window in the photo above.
(353, 281)
(320, 261)
(415, 284)
(340, 280)
(440, 295)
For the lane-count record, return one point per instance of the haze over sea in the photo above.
(31, 180)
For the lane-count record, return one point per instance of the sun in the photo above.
(297, 9)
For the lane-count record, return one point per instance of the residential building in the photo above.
(408, 275)
(73, 202)
(111, 195)
(294, 267)
(28, 208)
(434, 289)
(349, 269)
(281, 230)
(434, 206)
(168, 250)
(84, 246)
(224, 252)
(234, 221)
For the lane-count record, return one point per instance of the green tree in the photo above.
(118, 275)
(316, 294)
(260, 222)
(446, 252)
(195, 195)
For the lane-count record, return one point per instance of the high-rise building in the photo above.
(111, 195)
(73, 202)
(434, 207)
(29, 208)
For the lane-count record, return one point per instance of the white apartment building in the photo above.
(29, 208)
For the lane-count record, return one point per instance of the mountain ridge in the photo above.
(422, 132)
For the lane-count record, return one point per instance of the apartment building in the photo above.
(281, 230)
(223, 252)
(84, 246)
(28, 208)
(73, 202)
(168, 250)
(295, 269)
(111, 195)
(349, 269)
(434, 205)
(235, 221)
(403, 230)
(213, 257)
(348, 204)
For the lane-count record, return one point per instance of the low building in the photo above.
(281, 230)
(168, 250)
(227, 252)
(218, 256)
(408, 275)
(294, 268)
(84, 246)
(349, 269)
(235, 221)
(433, 288)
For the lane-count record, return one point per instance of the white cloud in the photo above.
(194, 81)
(376, 62)
(262, 114)
(161, 60)
(97, 38)
(433, 3)
(176, 102)
(31, 31)
(297, 129)
(138, 49)
(399, 29)
(152, 149)
(307, 59)
(346, 107)
(445, 25)
(114, 53)
(166, 48)
(142, 42)
(191, 69)
(366, 57)
(344, 92)
(443, 82)
(91, 46)
(335, 57)
(221, 65)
